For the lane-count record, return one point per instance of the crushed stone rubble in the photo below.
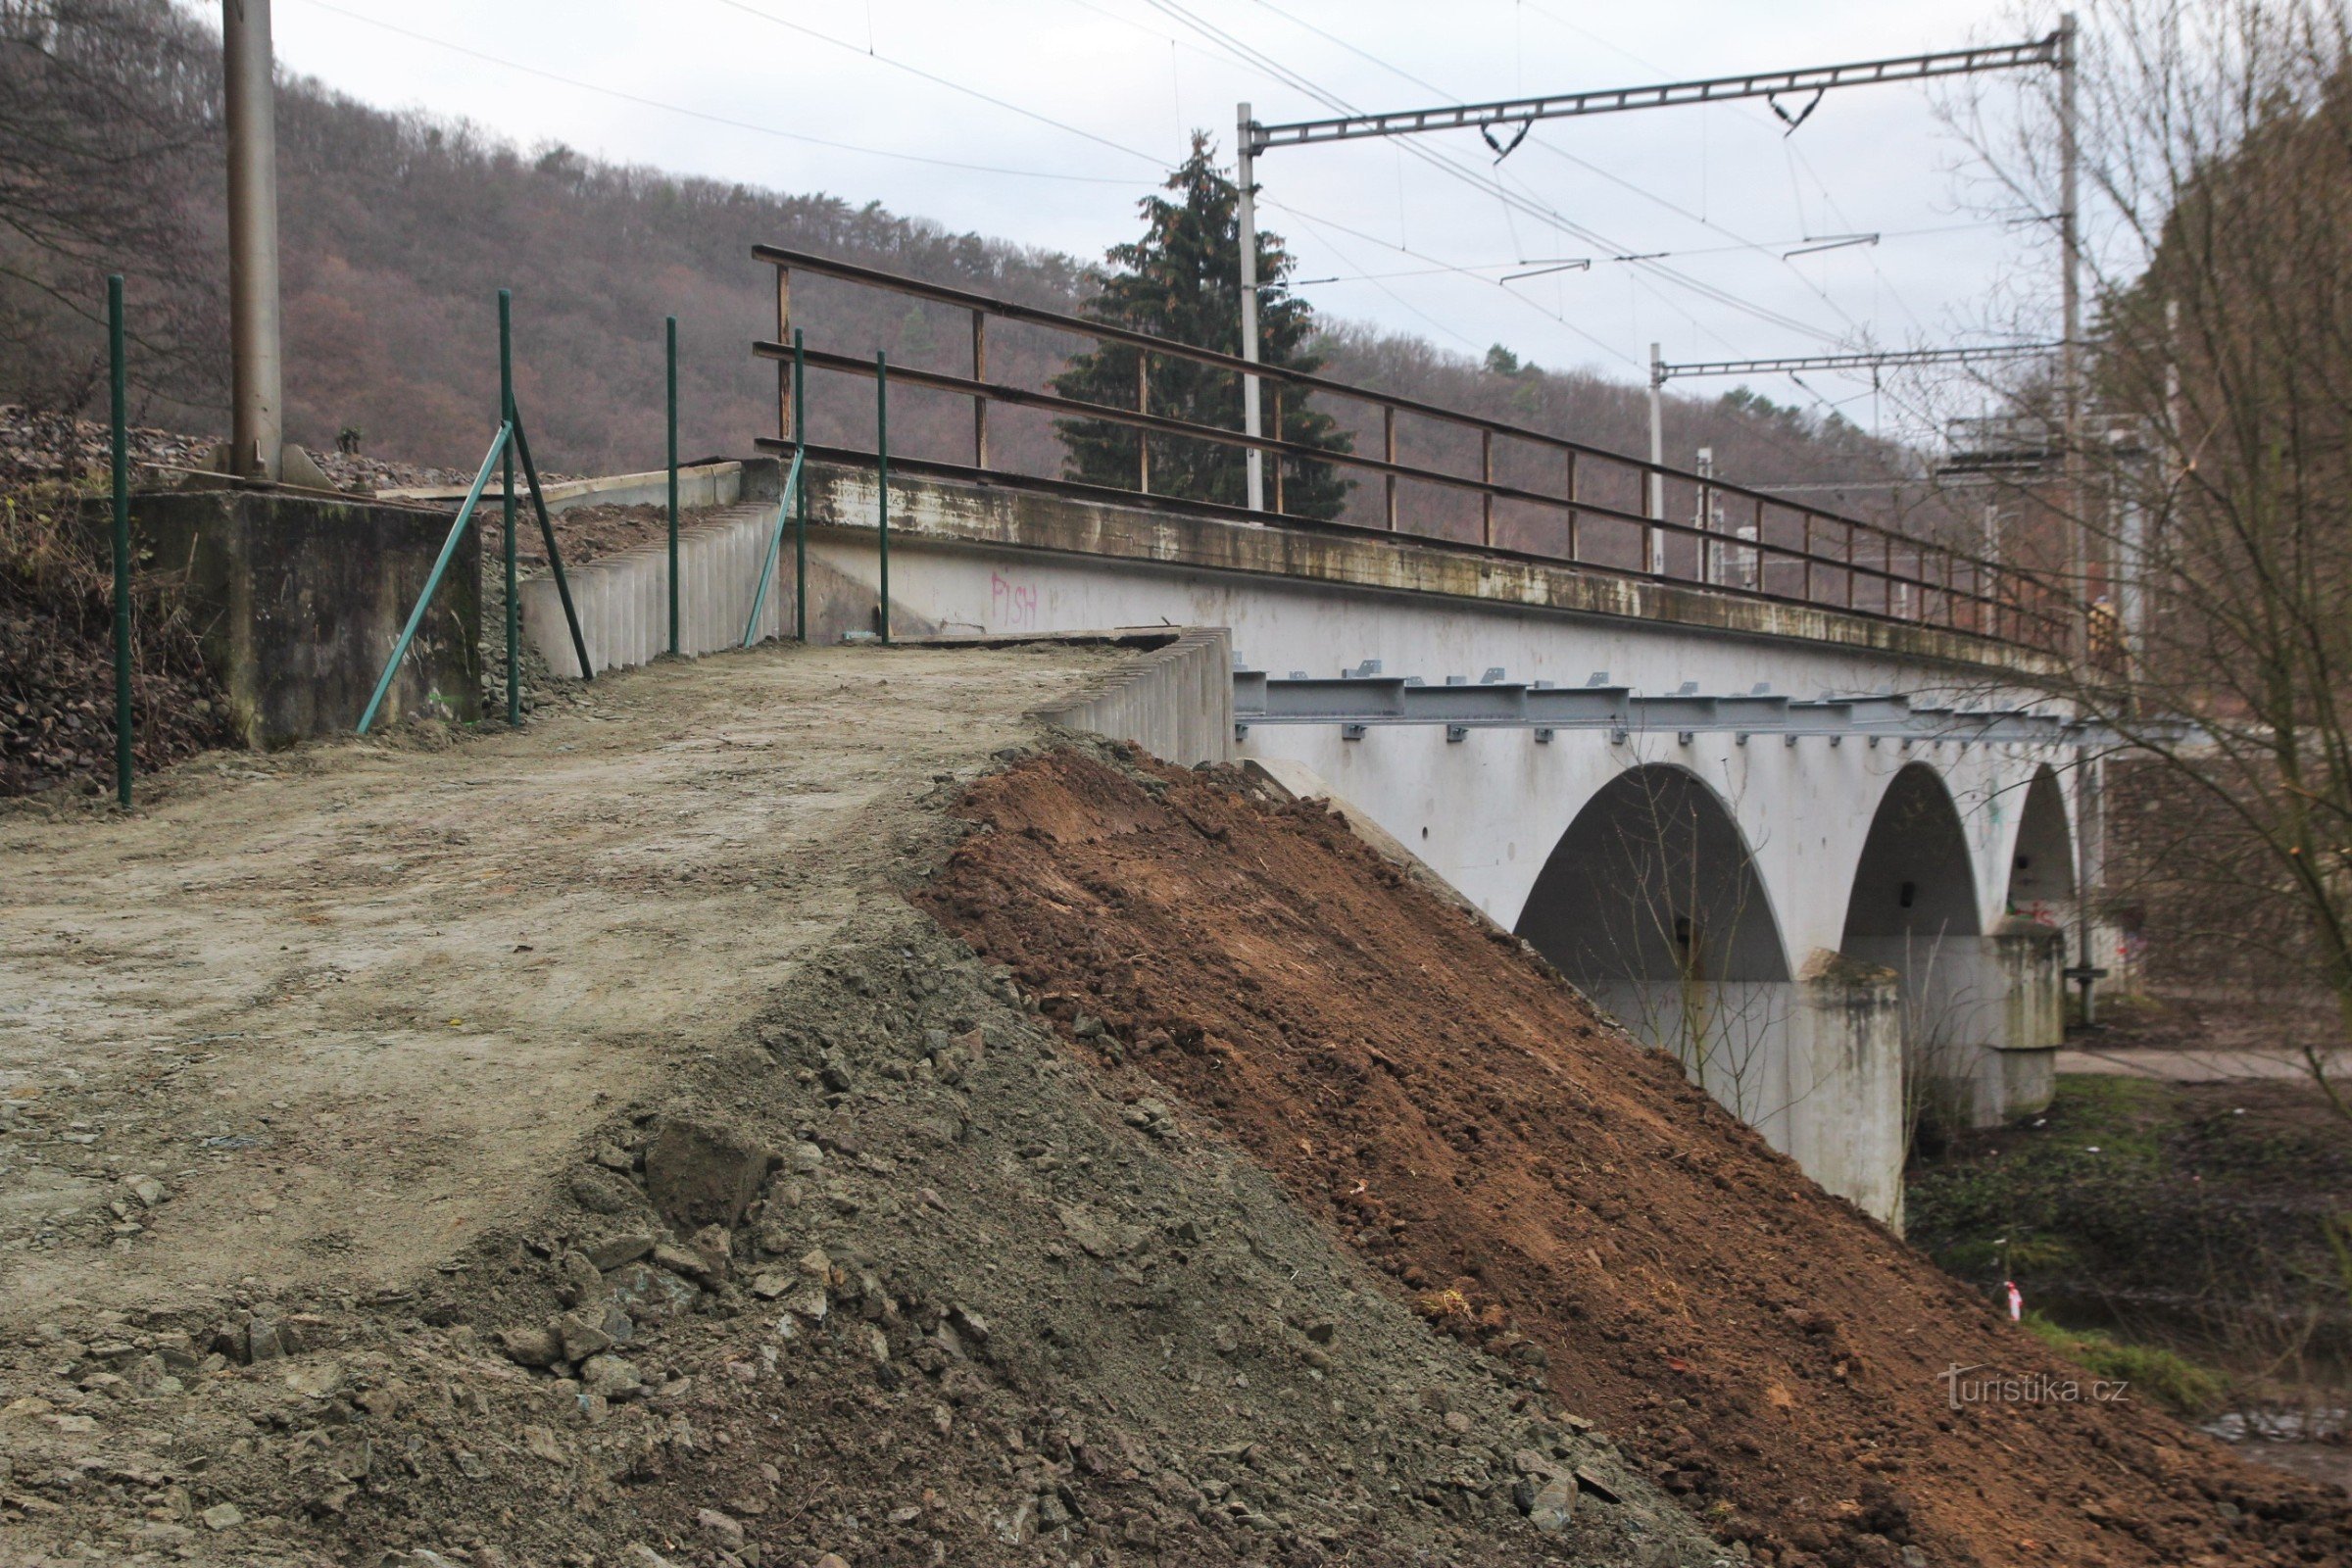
(899, 1279)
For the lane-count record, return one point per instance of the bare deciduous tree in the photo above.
(2215, 522)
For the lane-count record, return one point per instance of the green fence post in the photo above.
(800, 524)
(673, 485)
(122, 477)
(506, 419)
(882, 475)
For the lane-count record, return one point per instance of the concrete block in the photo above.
(298, 602)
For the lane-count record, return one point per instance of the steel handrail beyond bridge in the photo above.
(1828, 556)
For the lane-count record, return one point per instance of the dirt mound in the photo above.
(894, 1278)
(567, 1147)
(1537, 1184)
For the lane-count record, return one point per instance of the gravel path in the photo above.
(319, 1018)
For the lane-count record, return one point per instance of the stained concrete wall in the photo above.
(298, 602)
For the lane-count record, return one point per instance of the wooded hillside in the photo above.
(399, 229)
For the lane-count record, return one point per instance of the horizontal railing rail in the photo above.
(1821, 558)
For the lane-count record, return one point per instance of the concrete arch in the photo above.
(1653, 882)
(1913, 884)
(2042, 864)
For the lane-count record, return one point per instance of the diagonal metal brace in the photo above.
(555, 556)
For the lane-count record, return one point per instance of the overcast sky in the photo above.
(1720, 189)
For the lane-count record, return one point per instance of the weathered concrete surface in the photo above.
(1029, 521)
(298, 603)
(700, 486)
(1175, 701)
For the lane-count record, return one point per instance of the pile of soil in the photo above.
(1538, 1185)
(895, 1281)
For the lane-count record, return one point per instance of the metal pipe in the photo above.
(119, 452)
(670, 338)
(1246, 224)
(506, 416)
(882, 477)
(257, 399)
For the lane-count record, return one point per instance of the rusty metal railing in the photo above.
(1769, 547)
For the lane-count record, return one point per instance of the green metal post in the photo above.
(505, 420)
(122, 467)
(882, 475)
(673, 486)
(800, 524)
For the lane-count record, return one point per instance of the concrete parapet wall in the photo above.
(1175, 701)
(704, 484)
(624, 598)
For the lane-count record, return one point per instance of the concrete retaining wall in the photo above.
(624, 598)
(298, 602)
(1175, 701)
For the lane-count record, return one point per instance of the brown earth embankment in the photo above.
(1542, 1186)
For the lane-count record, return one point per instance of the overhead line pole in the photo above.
(1247, 170)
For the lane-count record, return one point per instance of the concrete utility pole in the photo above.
(1653, 540)
(1247, 170)
(2088, 815)
(257, 399)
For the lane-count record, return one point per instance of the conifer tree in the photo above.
(1182, 281)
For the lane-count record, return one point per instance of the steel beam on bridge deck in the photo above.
(1358, 701)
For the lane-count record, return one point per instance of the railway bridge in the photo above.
(1772, 785)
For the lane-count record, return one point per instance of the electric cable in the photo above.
(704, 115)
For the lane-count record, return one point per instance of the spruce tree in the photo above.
(1182, 281)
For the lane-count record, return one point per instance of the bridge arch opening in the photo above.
(1913, 910)
(1653, 905)
(2041, 868)
(1913, 886)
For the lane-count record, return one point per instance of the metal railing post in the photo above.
(1274, 393)
(1486, 475)
(882, 477)
(505, 420)
(1572, 549)
(800, 498)
(1143, 405)
(784, 386)
(670, 344)
(120, 454)
(1388, 433)
(979, 400)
